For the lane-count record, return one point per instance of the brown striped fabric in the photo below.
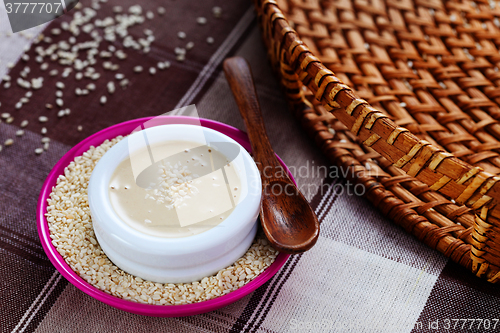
(364, 274)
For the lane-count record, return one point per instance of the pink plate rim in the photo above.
(133, 307)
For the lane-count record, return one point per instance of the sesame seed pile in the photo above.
(175, 185)
(72, 235)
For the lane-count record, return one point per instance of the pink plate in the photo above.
(139, 308)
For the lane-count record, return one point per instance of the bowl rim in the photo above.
(60, 264)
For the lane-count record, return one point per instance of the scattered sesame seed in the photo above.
(38, 151)
(60, 85)
(189, 45)
(111, 87)
(9, 120)
(6, 85)
(59, 102)
(28, 94)
(103, 100)
(79, 75)
(167, 64)
(18, 105)
(5, 115)
(201, 20)
(25, 57)
(45, 140)
(53, 72)
(43, 119)
(161, 65)
(161, 10)
(90, 86)
(43, 130)
(180, 57)
(44, 66)
(79, 128)
(46, 146)
(152, 70)
(119, 76)
(181, 34)
(150, 15)
(210, 40)
(59, 93)
(24, 123)
(8, 142)
(61, 113)
(217, 11)
(67, 112)
(19, 132)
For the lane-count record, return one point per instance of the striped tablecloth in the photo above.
(364, 274)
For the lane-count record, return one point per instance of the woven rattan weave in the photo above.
(406, 94)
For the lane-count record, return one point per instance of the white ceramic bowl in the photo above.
(174, 260)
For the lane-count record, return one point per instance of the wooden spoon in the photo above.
(286, 217)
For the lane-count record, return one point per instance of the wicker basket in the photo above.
(412, 109)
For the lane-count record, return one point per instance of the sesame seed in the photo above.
(43, 119)
(59, 93)
(8, 142)
(45, 140)
(150, 15)
(61, 113)
(152, 70)
(210, 40)
(24, 123)
(138, 69)
(103, 100)
(46, 146)
(53, 72)
(161, 10)
(119, 76)
(67, 111)
(6, 85)
(60, 85)
(38, 151)
(79, 128)
(59, 102)
(180, 57)
(9, 120)
(167, 64)
(91, 86)
(28, 94)
(44, 66)
(111, 87)
(201, 20)
(189, 45)
(5, 115)
(217, 11)
(181, 34)
(43, 130)
(19, 133)
(18, 105)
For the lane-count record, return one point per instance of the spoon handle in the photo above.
(240, 80)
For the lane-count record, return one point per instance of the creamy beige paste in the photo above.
(176, 208)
